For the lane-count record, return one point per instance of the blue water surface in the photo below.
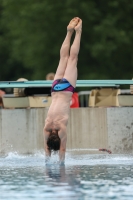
(84, 176)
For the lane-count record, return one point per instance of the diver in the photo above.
(55, 136)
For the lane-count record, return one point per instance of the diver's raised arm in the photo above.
(63, 140)
(46, 148)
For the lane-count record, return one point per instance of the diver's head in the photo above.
(53, 141)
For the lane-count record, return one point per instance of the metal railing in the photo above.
(80, 83)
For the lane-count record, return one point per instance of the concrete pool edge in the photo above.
(21, 130)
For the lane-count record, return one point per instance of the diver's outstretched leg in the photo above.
(64, 51)
(71, 69)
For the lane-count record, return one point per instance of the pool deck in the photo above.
(21, 130)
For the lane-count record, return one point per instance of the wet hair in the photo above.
(53, 142)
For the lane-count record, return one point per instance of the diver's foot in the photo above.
(72, 24)
(78, 27)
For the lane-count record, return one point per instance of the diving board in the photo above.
(79, 83)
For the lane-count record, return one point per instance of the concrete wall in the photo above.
(120, 129)
(21, 130)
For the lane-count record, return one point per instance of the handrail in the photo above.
(80, 83)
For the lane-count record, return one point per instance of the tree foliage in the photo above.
(31, 33)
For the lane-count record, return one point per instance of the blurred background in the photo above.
(32, 32)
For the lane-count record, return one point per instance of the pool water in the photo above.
(83, 177)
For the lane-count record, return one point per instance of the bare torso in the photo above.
(59, 110)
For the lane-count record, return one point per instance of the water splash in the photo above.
(72, 158)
